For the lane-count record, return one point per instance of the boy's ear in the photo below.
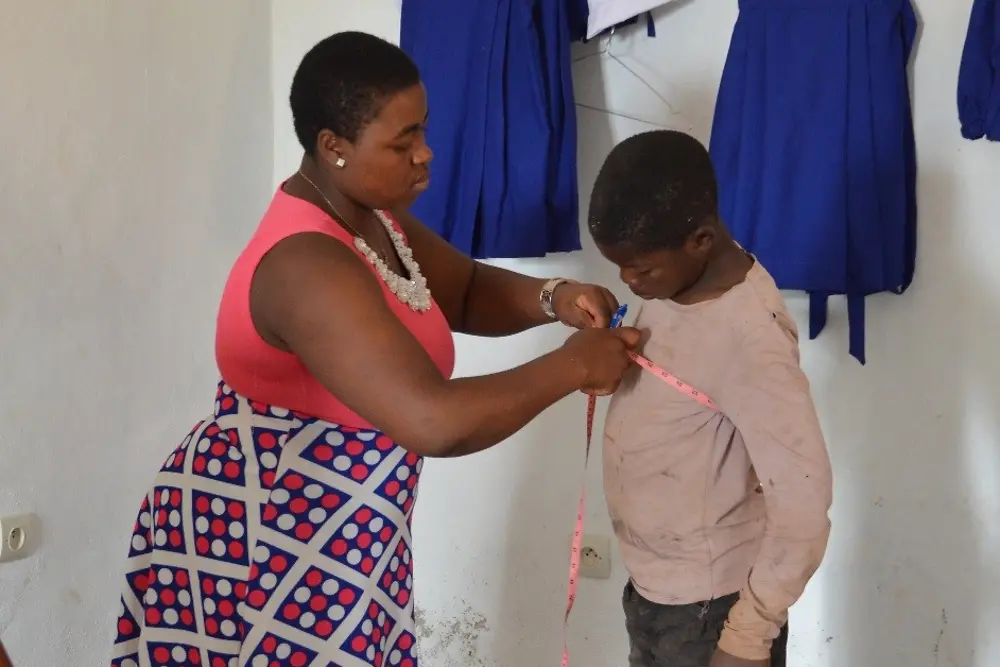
(700, 241)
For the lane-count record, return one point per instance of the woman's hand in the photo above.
(584, 306)
(602, 357)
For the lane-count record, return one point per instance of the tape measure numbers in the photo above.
(574, 558)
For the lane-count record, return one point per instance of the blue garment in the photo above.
(813, 145)
(979, 74)
(578, 12)
(502, 123)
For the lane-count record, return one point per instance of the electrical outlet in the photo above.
(595, 557)
(19, 536)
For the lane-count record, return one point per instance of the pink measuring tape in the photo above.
(574, 559)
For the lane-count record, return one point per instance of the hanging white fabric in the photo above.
(607, 13)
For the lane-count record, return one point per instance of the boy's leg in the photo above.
(681, 635)
(672, 635)
(779, 648)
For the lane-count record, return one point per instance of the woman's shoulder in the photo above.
(288, 215)
(294, 240)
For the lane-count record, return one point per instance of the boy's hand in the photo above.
(723, 659)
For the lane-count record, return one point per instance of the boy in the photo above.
(721, 515)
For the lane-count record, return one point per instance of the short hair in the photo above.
(342, 83)
(653, 191)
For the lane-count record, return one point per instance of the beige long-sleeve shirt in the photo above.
(705, 503)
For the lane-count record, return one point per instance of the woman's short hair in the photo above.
(342, 83)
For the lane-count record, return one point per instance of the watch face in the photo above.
(547, 302)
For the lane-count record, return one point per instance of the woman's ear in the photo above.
(332, 149)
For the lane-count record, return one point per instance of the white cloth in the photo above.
(606, 13)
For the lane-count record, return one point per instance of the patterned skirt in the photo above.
(272, 539)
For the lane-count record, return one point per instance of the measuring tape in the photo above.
(574, 558)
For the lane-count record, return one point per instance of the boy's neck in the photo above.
(727, 267)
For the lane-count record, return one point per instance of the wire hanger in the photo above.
(606, 51)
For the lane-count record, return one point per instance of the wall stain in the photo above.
(451, 641)
(937, 644)
(71, 596)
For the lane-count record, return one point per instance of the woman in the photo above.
(277, 533)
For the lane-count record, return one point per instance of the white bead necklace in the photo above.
(412, 292)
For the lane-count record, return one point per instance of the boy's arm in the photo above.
(767, 398)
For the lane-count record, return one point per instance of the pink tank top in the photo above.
(266, 374)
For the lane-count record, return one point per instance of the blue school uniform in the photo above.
(979, 74)
(813, 146)
(502, 123)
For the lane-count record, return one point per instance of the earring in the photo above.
(339, 164)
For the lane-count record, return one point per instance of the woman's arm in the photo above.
(485, 300)
(4, 660)
(320, 301)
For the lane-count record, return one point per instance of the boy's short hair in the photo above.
(653, 190)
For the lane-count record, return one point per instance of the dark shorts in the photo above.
(681, 635)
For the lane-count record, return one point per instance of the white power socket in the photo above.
(595, 557)
(19, 536)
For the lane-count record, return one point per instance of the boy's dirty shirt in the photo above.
(705, 503)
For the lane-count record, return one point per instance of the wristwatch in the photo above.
(548, 289)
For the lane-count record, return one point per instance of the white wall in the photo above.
(908, 581)
(135, 160)
(136, 144)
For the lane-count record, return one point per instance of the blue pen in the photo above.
(619, 315)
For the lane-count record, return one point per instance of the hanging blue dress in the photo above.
(813, 145)
(502, 123)
(577, 11)
(979, 74)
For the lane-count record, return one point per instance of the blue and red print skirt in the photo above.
(272, 539)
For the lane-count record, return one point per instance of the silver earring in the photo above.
(339, 164)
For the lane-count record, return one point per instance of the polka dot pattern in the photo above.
(226, 402)
(361, 540)
(400, 487)
(218, 456)
(216, 659)
(318, 603)
(220, 598)
(368, 641)
(138, 582)
(220, 528)
(265, 410)
(168, 599)
(404, 653)
(397, 578)
(270, 567)
(299, 505)
(175, 462)
(273, 651)
(173, 655)
(166, 520)
(349, 452)
(222, 567)
(128, 628)
(131, 660)
(142, 532)
(267, 444)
